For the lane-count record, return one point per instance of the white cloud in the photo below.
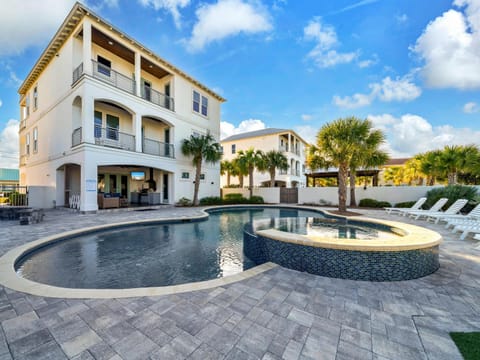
(471, 107)
(412, 134)
(171, 6)
(323, 54)
(355, 5)
(227, 18)
(1, 102)
(228, 129)
(369, 62)
(450, 48)
(399, 89)
(401, 19)
(306, 117)
(307, 133)
(9, 145)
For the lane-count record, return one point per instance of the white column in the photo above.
(138, 76)
(289, 142)
(88, 186)
(138, 132)
(88, 135)
(87, 46)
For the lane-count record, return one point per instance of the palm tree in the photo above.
(227, 167)
(201, 147)
(273, 160)
(430, 165)
(338, 144)
(250, 159)
(240, 170)
(454, 160)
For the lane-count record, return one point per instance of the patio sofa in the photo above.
(108, 200)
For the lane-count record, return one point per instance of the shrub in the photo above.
(184, 202)
(17, 199)
(211, 200)
(233, 196)
(405, 204)
(255, 200)
(452, 192)
(372, 203)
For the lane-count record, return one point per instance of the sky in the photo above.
(411, 67)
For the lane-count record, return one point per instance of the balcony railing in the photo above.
(111, 137)
(112, 77)
(77, 136)
(282, 172)
(158, 98)
(77, 73)
(158, 148)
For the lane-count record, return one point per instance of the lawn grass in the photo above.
(468, 344)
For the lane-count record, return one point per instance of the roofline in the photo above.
(58, 40)
(273, 133)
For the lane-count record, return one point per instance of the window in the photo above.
(27, 144)
(234, 148)
(147, 90)
(35, 98)
(27, 105)
(98, 124)
(204, 106)
(202, 176)
(112, 127)
(196, 101)
(103, 66)
(185, 175)
(35, 140)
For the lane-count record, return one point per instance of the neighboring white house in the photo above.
(101, 113)
(287, 141)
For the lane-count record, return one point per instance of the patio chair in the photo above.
(434, 209)
(453, 209)
(467, 229)
(472, 216)
(402, 211)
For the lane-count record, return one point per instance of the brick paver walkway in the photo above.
(280, 314)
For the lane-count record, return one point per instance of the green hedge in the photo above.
(452, 192)
(372, 203)
(405, 204)
(231, 199)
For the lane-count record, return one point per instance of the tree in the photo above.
(273, 160)
(250, 159)
(227, 168)
(240, 170)
(201, 148)
(338, 144)
(456, 159)
(430, 165)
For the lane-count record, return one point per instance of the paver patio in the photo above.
(280, 314)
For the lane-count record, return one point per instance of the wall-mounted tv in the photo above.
(138, 175)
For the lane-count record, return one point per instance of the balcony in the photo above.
(111, 137)
(153, 147)
(125, 83)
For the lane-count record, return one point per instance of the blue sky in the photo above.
(412, 67)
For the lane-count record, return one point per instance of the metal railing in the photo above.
(282, 172)
(111, 137)
(158, 148)
(77, 136)
(13, 195)
(158, 98)
(112, 77)
(77, 73)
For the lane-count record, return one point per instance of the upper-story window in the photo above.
(234, 148)
(104, 65)
(27, 105)
(27, 144)
(35, 140)
(200, 103)
(35, 98)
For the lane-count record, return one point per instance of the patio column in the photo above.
(138, 132)
(88, 186)
(87, 47)
(138, 75)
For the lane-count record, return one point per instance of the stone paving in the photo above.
(280, 314)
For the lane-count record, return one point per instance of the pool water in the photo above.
(149, 256)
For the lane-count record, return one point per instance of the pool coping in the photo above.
(10, 279)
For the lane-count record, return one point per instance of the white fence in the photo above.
(329, 195)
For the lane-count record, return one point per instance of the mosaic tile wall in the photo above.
(344, 264)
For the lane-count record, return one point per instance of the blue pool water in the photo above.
(153, 255)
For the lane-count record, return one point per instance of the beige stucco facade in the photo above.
(98, 106)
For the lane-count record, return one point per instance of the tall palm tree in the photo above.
(455, 159)
(250, 159)
(430, 165)
(227, 168)
(240, 170)
(337, 145)
(201, 148)
(273, 160)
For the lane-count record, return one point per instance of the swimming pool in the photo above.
(150, 255)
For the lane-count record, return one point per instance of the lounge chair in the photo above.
(472, 216)
(467, 229)
(434, 209)
(453, 209)
(415, 206)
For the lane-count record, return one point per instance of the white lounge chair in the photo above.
(415, 206)
(453, 209)
(467, 229)
(434, 209)
(472, 216)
